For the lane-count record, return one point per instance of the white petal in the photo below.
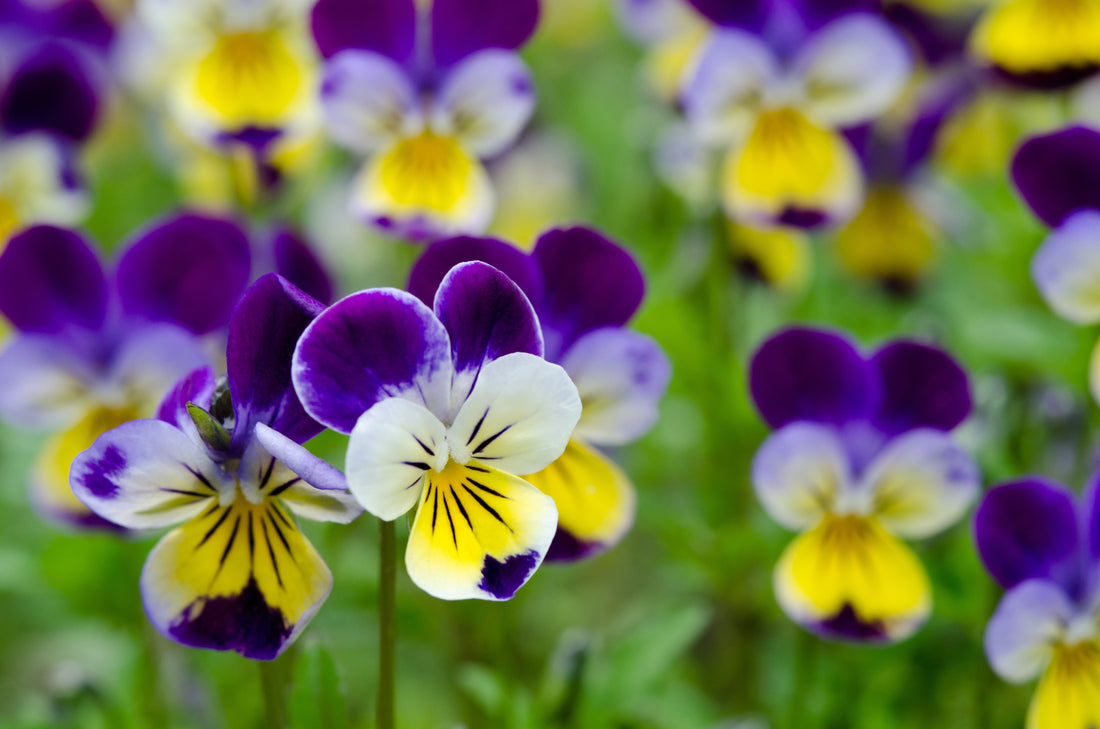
(1021, 634)
(367, 100)
(44, 385)
(799, 472)
(725, 94)
(391, 448)
(519, 416)
(1066, 268)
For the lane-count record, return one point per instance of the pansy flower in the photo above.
(446, 408)
(425, 95)
(1043, 545)
(776, 86)
(38, 184)
(1058, 175)
(861, 455)
(585, 288)
(224, 461)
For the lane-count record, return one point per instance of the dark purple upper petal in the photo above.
(188, 269)
(1028, 530)
(816, 13)
(748, 14)
(50, 279)
(263, 332)
(196, 387)
(52, 90)
(810, 374)
(486, 315)
(1059, 173)
(939, 38)
(79, 20)
(463, 27)
(382, 26)
(440, 257)
(934, 110)
(922, 387)
(296, 262)
(589, 282)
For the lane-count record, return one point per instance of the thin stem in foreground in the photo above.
(387, 625)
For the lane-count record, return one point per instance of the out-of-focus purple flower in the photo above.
(585, 289)
(425, 96)
(227, 462)
(1043, 546)
(861, 455)
(446, 407)
(775, 86)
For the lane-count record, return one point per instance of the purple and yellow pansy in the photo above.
(425, 95)
(1042, 544)
(775, 86)
(446, 407)
(585, 288)
(224, 460)
(861, 457)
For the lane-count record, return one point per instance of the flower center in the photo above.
(427, 171)
(250, 77)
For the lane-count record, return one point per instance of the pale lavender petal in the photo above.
(313, 470)
(440, 257)
(46, 383)
(368, 101)
(463, 27)
(150, 359)
(485, 102)
(1020, 637)
(723, 97)
(1066, 268)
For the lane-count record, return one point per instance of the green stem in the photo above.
(273, 685)
(805, 657)
(387, 624)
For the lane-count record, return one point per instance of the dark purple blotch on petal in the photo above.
(802, 218)
(99, 473)
(296, 262)
(567, 547)
(244, 623)
(922, 387)
(848, 626)
(463, 27)
(387, 27)
(1059, 173)
(52, 90)
(502, 579)
(51, 279)
(440, 257)
(810, 374)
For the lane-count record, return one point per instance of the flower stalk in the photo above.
(387, 623)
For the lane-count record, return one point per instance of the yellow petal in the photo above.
(779, 256)
(850, 578)
(594, 497)
(890, 240)
(1068, 696)
(1037, 36)
(250, 78)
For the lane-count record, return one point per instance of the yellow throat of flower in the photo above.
(428, 172)
(1068, 696)
(250, 78)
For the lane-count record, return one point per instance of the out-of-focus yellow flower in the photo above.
(890, 240)
(1040, 36)
(779, 257)
(538, 185)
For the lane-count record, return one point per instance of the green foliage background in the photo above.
(677, 627)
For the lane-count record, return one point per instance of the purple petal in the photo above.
(45, 382)
(440, 257)
(149, 359)
(750, 15)
(933, 112)
(188, 270)
(462, 27)
(51, 279)
(263, 332)
(922, 387)
(1019, 638)
(817, 13)
(1028, 530)
(196, 387)
(487, 316)
(939, 39)
(296, 262)
(810, 374)
(313, 470)
(382, 26)
(1059, 174)
(367, 347)
(590, 282)
(52, 90)
(80, 20)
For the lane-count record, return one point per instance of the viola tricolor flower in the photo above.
(425, 96)
(1043, 546)
(227, 463)
(446, 409)
(861, 456)
(584, 288)
(38, 184)
(93, 350)
(1058, 176)
(1040, 42)
(776, 86)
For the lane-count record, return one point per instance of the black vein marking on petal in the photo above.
(450, 520)
(485, 488)
(488, 508)
(271, 551)
(435, 505)
(462, 509)
(427, 450)
(417, 480)
(280, 489)
(210, 532)
(279, 513)
(228, 546)
(477, 428)
(479, 469)
(282, 537)
(417, 464)
(267, 475)
(185, 492)
(488, 441)
(199, 475)
(251, 540)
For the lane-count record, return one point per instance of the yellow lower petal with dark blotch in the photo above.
(779, 257)
(49, 486)
(9, 221)
(250, 79)
(848, 578)
(1040, 36)
(1068, 696)
(791, 170)
(240, 577)
(478, 533)
(595, 501)
(889, 241)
